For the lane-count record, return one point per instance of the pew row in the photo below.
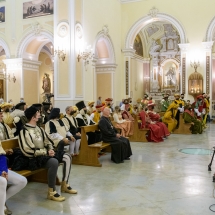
(89, 153)
(139, 134)
(39, 175)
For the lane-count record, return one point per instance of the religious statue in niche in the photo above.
(46, 84)
(138, 47)
(171, 79)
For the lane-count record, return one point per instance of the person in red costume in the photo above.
(125, 111)
(155, 117)
(155, 134)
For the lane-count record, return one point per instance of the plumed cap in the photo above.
(74, 108)
(98, 106)
(30, 112)
(5, 104)
(199, 97)
(109, 100)
(177, 95)
(55, 113)
(90, 103)
(80, 105)
(20, 105)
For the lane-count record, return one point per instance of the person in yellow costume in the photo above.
(206, 107)
(180, 104)
(96, 115)
(169, 116)
(7, 118)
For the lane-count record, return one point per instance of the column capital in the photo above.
(13, 63)
(128, 52)
(31, 65)
(208, 45)
(184, 46)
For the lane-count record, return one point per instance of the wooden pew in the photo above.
(139, 134)
(184, 128)
(89, 153)
(39, 175)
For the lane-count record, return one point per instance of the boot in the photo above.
(65, 188)
(53, 195)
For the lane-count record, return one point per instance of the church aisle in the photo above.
(157, 180)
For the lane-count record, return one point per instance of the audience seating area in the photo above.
(89, 153)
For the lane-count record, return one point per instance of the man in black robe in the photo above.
(121, 149)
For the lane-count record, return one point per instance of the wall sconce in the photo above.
(7, 76)
(86, 56)
(60, 53)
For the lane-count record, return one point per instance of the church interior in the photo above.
(62, 52)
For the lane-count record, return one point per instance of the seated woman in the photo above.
(16, 181)
(155, 134)
(36, 146)
(189, 117)
(156, 119)
(125, 125)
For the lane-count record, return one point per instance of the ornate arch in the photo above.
(104, 33)
(31, 36)
(138, 25)
(210, 29)
(5, 47)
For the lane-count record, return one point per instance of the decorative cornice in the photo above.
(106, 67)
(208, 45)
(184, 46)
(128, 52)
(20, 63)
(31, 65)
(128, 1)
(143, 60)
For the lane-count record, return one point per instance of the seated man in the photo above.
(165, 103)
(96, 115)
(121, 149)
(46, 110)
(90, 107)
(189, 117)
(35, 145)
(169, 116)
(57, 131)
(7, 118)
(16, 181)
(19, 118)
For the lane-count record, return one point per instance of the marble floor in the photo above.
(158, 180)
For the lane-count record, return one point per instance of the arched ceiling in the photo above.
(155, 31)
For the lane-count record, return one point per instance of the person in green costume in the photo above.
(189, 117)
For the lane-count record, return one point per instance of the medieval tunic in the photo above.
(121, 148)
(125, 126)
(155, 134)
(84, 120)
(95, 117)
(5, 132)
(156, 118)
(169, 116)
(71, 124)
(190, 117)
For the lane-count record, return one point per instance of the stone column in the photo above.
(184, 77)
